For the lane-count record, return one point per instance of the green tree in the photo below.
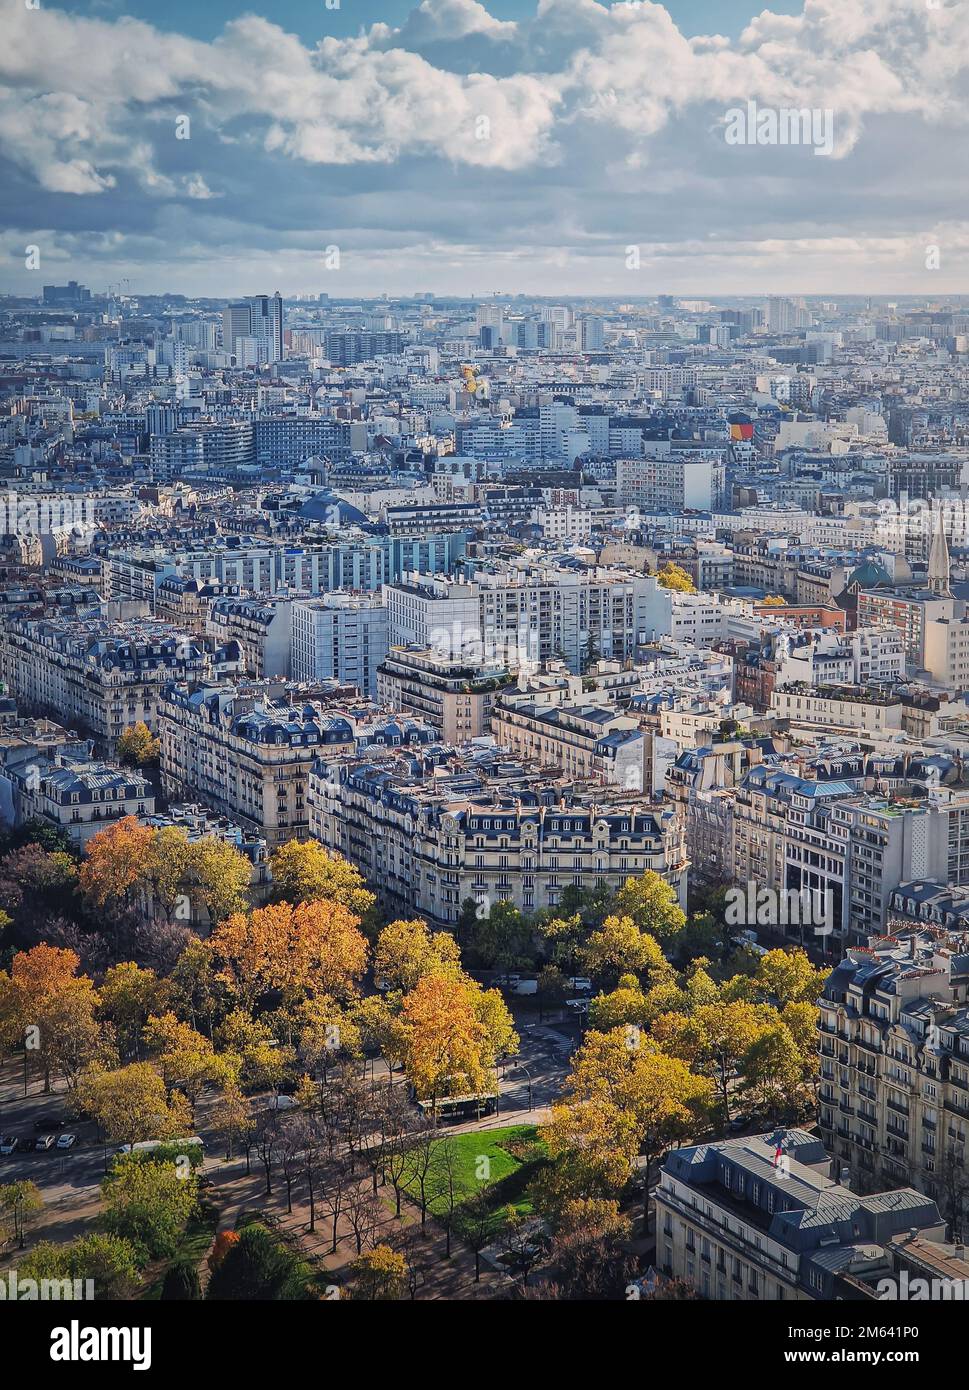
(258, 1267)
(182, 1282)
(149, 1205)
(652, 904)
(110, 1263)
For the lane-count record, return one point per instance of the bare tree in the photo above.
(420, 1163)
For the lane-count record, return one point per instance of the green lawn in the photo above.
(507, 1173)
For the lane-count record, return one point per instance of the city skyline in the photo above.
(458, 148)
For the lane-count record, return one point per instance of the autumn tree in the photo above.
(314, 947)
(789, 977)
(304, 872)
(166, 866)
(222, 876)
(112, 871)
(138, 746)
(620, 947)
(623, 1098)
(444, 1039)
(186, 1058)
(379, 1274)
(128, 994)
(673, 576)
(407, 950)
(714, 1038)
(130, 1104)
(50, 1008)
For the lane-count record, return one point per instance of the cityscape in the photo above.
(484, 772)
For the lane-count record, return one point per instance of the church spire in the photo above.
(939, 557)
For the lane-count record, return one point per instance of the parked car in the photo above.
(67, 1141)
(525, 987)
(8, 1143)
(25, 1144)
(49, 1124)
(581, 984)
(45, 1142)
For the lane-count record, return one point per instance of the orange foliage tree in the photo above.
(312, 948)
(115, 861)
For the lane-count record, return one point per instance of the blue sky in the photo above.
(480, 145)
(311, 20)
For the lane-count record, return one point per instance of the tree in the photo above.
(501, 938)
(553, 987)
(249, 1041)
(652, 904)
(626, 1004)
(128, 994)
(772, 1067)
(148, 1204)
(166, 866)
(715, 1037)
(444, 1040)
(181, 1281)
(232, 1118)
(221, 1246)
(186, 1059)
(258, 1267)
(110, 1262)
(623, 1098)
(619, 947)
(589, 1252)
(313, 948)
(48, 1006)
(478, 1224)
(673, 576)
(22, 1200)
(115, 861)
(138, 746)
(566, 934)
(222, 874)
(789, 977)
(379, 1274)
(407, 950)
(194, 991)
(130, 1104)
(304, 872)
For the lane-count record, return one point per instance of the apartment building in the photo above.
(455, 697)
(78, 797)
(101, 675)
(855, 708)
(894, 1053)
(762, 1219)
(247, 751)
(340, 636)
(908, 611)
(567, 737)
(262, 628)
(529, 614)
(432, 836)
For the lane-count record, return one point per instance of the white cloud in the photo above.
(582, 122)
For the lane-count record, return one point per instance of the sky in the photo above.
(472, 146)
